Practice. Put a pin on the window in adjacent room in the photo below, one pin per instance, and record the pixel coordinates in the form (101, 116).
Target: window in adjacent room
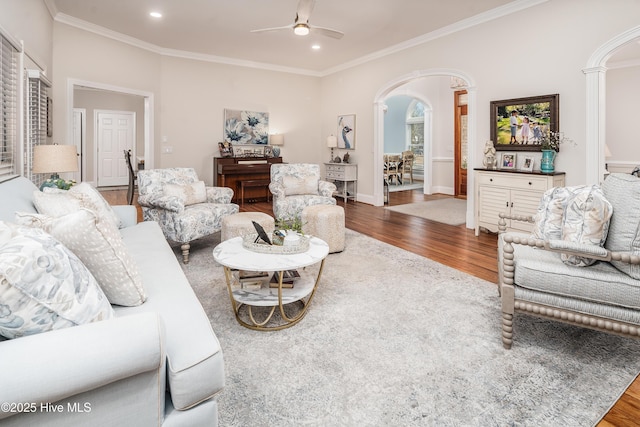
(415, 133)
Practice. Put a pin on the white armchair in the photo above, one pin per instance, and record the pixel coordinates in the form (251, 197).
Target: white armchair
(183, 206)
(296, 186)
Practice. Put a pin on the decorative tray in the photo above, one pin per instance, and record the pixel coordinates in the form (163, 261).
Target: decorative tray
(302, 245)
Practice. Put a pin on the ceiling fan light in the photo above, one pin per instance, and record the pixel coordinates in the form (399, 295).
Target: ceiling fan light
(301, 29)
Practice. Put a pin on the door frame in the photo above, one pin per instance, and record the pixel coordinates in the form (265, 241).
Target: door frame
(96, 138)
(80, 142)
(378, 129)
(457, 140)
(149, 102)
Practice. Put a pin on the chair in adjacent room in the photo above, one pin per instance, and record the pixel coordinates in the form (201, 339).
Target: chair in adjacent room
(184, 207)
(296, 186)
(392, 168)
(132, 177)
(406, 167)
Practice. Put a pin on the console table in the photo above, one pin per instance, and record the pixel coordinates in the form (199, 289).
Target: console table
(345, 176)
(510, 192)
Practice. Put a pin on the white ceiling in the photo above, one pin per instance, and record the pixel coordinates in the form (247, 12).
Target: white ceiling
(221, 28)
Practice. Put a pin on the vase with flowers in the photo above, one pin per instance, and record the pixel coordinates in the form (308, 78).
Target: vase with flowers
(550, 145)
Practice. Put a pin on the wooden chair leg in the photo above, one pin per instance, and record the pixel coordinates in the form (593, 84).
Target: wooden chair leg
(185, 252)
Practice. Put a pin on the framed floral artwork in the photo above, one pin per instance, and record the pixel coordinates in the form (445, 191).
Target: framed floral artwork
(246, 127)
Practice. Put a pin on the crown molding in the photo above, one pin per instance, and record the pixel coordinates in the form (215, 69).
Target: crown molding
(481, 18)
(490, 15)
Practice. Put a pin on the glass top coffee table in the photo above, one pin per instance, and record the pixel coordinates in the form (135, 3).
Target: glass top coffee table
(291, 302)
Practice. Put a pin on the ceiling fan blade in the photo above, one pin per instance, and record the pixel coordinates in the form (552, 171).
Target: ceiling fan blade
(327, 32)
(265, 30)
(305, 7)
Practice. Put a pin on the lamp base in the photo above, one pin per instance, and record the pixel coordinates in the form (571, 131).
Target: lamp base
(276, 151)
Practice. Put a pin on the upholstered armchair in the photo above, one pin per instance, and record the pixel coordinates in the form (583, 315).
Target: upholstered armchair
(296, 186)
(183, 206)
(581, 264)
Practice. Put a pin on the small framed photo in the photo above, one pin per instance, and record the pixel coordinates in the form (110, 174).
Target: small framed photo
(527, 164)
(507, 161)
(268, 151)
(226, 149)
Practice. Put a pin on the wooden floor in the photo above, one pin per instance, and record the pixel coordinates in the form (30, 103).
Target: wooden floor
(455, 246)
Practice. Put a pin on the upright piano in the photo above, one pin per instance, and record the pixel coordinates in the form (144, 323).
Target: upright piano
(231, 171)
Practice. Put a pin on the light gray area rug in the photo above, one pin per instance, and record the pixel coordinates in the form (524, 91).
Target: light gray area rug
(448, 211)
(395, 339)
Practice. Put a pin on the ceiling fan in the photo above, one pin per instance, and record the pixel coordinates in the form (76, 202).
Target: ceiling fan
(301, 25)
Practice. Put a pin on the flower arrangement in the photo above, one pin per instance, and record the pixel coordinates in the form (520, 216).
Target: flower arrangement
(63, 184)
(553, 140)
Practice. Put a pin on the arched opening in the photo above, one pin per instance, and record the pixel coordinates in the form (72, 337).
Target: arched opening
(395, 87)
(595, 72)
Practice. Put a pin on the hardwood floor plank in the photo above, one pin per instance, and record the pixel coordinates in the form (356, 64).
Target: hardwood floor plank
(454, 246)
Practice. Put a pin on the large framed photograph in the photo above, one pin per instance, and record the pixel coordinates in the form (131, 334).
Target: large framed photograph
(520, 124)
(246, 127)
(347, 132)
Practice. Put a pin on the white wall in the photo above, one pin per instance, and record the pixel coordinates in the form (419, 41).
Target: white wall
(537, 51)
(622, 135)
(195, 95)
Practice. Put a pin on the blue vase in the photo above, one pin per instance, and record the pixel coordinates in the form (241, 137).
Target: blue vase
(546, 164)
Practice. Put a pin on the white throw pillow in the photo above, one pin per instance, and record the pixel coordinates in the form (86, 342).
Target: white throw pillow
(55, 203)
(98, 244)
(43, 285)
(294, 185)
(585, 221)
(91, 198)
(623, 191)
(550, 213)
(189, 194)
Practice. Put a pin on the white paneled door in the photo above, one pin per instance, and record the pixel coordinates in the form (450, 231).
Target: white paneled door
(116, 132)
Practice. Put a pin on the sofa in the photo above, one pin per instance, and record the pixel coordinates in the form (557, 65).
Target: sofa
(581, 263)
(155, 362)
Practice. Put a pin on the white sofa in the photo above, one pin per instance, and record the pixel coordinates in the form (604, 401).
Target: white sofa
(159, 363)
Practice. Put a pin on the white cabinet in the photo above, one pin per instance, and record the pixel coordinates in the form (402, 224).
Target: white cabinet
(345, 177)
(514, 193)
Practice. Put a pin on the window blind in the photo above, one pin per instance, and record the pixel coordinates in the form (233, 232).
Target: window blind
(37, 89)
(8, 107)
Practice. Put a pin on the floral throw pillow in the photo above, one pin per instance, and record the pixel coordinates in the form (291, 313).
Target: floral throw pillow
(98, 244)
(43, 285)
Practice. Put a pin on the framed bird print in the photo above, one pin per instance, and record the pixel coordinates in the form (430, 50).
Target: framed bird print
(347, 132)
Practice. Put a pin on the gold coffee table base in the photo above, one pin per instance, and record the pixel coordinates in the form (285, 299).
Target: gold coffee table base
(261, 325)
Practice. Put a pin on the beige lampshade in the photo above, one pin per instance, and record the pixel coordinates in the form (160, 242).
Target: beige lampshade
(332, 141)
(607, 152)
(276, 139)
(54, 159)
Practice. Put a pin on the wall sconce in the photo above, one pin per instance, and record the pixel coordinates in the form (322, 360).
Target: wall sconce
(276, 140)
(332, 142)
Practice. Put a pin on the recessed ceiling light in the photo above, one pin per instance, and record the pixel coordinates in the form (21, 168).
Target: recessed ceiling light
(315, 47)
(155, 14)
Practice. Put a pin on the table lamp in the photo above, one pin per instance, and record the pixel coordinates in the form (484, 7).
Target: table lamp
(54, 159)
(332, 142)
(276, 140)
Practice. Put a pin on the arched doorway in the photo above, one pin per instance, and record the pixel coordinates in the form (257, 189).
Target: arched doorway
(596, 106)
(378, 146)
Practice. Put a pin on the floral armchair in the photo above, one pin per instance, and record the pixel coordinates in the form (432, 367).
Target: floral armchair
(183, 206)
(296, 186)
